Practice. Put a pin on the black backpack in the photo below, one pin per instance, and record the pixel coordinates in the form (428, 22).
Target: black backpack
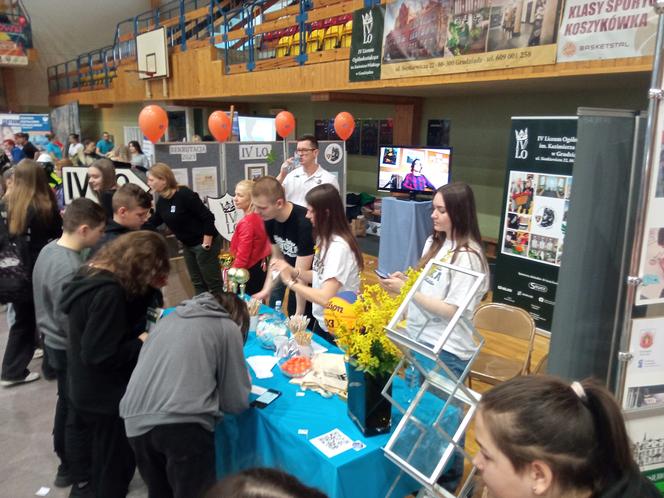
(15, 279)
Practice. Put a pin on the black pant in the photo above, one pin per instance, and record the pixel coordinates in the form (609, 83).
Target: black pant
(71, 437)
(256, 278)
(21, 342)
(176, 460)
(113, 462)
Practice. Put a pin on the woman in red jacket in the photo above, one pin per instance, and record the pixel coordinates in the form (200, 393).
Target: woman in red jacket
(250, 244)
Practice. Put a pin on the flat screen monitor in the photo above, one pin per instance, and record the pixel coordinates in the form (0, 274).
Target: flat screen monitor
(411, 169)
(253, 129)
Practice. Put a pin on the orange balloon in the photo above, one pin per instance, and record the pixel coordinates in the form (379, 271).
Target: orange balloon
(153, 122)
(344, 124)
(220, 125)
(285, 122)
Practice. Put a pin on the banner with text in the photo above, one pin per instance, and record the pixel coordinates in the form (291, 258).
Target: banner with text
(447, 36)
(607, 29)
(534, 220)
(15, 39)
(651, 267)
(366, 44)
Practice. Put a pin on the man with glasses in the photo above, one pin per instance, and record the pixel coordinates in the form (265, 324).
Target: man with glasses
(306, 176)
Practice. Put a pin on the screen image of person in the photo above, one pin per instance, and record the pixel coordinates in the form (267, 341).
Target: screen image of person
(415, 180)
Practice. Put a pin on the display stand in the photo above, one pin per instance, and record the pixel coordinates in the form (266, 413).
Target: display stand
(405, 226)
(421, 445)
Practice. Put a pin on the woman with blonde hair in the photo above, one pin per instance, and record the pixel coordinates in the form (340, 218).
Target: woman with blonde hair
(32, 217)
(250, 244)
(103, 183)
(106, 308)
(192, 223)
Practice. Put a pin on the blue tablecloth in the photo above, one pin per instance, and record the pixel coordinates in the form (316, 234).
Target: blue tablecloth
(405, 226)
(269, 437)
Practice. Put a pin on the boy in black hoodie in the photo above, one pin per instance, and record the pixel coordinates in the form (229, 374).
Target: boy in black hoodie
(104, 345)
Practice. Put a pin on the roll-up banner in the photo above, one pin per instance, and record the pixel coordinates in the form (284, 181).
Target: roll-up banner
(538, 184)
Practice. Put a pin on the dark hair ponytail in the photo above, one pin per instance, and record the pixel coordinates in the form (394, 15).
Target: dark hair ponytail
(577, 430)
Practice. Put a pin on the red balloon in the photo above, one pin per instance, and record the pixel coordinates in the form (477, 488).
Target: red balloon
(344, 124)
(220, 125)
(285, 122)
(153, 122)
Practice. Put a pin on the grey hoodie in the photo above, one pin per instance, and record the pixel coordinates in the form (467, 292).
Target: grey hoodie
(190, 370)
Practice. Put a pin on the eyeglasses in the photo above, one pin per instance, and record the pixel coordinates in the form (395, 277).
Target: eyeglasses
(302, 151)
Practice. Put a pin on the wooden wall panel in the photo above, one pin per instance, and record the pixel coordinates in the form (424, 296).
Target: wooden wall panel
(197, 74)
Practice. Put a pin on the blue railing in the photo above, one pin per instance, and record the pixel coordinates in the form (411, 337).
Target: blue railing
(99, 67)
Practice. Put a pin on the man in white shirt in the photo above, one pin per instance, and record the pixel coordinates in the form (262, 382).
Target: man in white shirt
(308, 175)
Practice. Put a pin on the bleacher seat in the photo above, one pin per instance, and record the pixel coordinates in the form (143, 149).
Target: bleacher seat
(347, 34)
(332, 37)
(315, 40)
(295, 44)
(283, 46)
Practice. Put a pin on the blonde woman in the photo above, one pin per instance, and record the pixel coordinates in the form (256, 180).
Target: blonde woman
(192, 223)
(102, 182)
(250, 244)
(31, 209)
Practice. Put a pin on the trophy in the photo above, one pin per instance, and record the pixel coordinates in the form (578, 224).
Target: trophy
(225, 262)
(238, 277)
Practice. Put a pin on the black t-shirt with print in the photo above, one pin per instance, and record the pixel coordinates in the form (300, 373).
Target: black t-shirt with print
(294, 236)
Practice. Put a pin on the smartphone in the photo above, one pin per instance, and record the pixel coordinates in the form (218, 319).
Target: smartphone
(381, 274)
(266, 398)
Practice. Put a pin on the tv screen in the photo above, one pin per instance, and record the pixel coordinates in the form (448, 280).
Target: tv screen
(413, 169)
(254, 129)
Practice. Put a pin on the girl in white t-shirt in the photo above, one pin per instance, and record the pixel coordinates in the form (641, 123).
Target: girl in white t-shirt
(337, 260)
(455, 240)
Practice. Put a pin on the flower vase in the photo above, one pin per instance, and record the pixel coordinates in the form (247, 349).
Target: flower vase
(367, 407)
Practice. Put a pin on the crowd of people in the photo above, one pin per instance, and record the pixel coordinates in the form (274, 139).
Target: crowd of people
(139, 387)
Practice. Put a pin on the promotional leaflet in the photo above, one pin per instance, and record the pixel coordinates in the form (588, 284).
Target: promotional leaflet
(534, 217)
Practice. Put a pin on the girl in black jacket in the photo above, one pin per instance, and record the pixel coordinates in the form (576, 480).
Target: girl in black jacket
(105, 303)
(32, 217)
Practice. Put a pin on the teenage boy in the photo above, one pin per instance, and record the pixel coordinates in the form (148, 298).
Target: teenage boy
(291, 236)
(308, 175)
(131, 209)
(83, 224)
(190, 371)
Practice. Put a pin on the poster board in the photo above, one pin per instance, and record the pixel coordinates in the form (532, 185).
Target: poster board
(534, 218)
(197, 165)
(250, 160)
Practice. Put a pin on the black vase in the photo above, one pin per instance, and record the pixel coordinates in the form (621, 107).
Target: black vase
(371, 412)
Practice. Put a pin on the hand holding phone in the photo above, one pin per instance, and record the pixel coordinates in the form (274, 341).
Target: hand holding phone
(381, 274)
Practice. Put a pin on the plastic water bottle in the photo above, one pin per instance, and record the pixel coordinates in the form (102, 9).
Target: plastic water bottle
(412, 379)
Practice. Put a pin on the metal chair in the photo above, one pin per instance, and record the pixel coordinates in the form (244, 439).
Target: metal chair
(512, 358)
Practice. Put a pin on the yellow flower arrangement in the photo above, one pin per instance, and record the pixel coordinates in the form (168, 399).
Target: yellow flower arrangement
(366, 342)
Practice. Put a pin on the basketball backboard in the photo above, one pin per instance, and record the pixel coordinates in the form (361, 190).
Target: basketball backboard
(152, 54)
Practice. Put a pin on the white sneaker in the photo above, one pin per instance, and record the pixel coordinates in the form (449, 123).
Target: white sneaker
(39, 353)
(31, 377)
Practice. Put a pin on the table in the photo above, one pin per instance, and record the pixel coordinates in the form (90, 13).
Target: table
(269, 437)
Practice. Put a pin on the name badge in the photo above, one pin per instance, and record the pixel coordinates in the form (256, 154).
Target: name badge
(172, 209)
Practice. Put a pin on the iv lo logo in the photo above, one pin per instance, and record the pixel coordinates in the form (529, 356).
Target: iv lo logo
(521, 144)
(367, 24)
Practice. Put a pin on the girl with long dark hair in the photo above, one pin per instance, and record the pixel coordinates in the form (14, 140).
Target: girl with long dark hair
(541, 436)
(107, 304)
(337, 260)
(137, 159)
(32, 216)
